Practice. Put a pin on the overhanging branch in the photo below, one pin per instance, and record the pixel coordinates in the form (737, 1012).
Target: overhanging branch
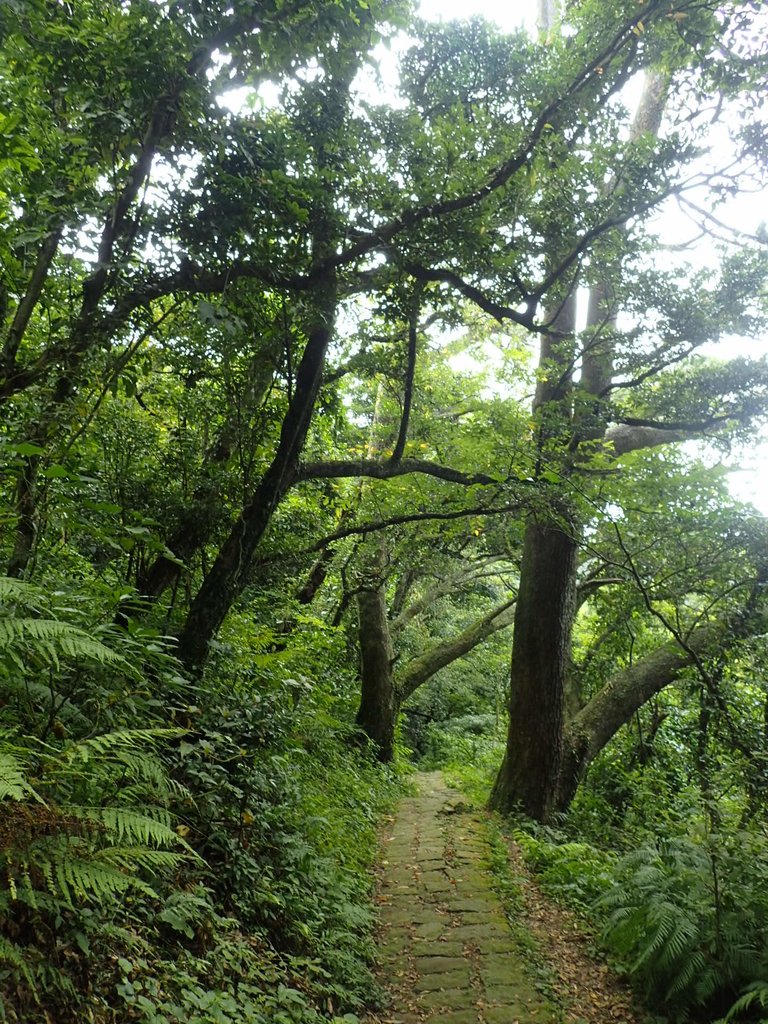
(362, 529)
(386, 470)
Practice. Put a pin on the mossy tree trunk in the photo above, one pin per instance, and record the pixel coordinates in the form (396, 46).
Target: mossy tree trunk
(379, 704)
(541, 646)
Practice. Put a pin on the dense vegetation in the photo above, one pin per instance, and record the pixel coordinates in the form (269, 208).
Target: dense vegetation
(322, 390)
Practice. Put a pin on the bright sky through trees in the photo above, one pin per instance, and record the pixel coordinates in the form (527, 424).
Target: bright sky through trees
(677, 225)
(506, 15)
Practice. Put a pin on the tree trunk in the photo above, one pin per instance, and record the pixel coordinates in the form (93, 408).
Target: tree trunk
(540, 662)
(317, 576)
(228, 574)
(531, 774)
(203, 508)
(404, 584)
(27, 512)
(377, 715)
(546, 605)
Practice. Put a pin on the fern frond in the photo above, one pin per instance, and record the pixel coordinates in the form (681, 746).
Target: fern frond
(143, 767)
(12, 954)
(129, 858)
(132, 826)
(82, 879)
(693, 968)
(113, 743)
(661, 921)
(13, 780)
(51, 639)
(18, 591)
(142, 772)
(755, 994)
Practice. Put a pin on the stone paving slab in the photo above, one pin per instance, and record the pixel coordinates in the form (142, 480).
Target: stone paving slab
(446, 951)
(444, 981)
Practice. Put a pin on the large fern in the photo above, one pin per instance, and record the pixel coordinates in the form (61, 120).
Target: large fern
(86, 818)
(42, 637)
(49, 640)
(13, 590)
(13, 774)
(74, 851)
(117, 743)
(755, 994)
(84, 815)
(687, 940)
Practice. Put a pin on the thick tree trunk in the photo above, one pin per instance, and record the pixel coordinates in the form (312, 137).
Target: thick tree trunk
(377, 715)
(532, 771)
(546, 606)
(528, 775)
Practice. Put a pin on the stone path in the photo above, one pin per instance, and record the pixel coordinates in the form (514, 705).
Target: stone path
(446, 951)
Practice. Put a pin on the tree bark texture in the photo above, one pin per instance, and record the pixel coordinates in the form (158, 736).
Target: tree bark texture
(544, 615)
(377, 714)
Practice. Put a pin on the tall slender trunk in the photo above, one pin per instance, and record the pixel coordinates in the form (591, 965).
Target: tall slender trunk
(379, 706)
(229, 573)
(316, 578)
(540, 771)
(546, 603)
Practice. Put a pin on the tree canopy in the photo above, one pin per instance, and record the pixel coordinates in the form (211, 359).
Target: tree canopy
(319, 386)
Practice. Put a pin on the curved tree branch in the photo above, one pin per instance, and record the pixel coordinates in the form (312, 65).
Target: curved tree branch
(420, 669)
(386, 470)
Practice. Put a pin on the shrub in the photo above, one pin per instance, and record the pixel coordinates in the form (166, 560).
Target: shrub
(575, 873)
(689, 918)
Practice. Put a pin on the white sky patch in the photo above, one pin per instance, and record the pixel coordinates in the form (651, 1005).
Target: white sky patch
(508, 16)
(748, 480)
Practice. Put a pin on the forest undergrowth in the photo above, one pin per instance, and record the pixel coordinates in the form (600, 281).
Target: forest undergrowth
(676, 907)
(310, 465)
(210, 866)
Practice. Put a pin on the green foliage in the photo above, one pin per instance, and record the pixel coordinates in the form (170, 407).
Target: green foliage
(13, 774)
(40, 641)
(194, 197)
(755, 994)
(58, 854)
(575, 873)
(238, 847)
(688, 918)
(285, 818)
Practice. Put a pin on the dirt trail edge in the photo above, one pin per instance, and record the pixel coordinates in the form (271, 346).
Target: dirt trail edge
(446, 950)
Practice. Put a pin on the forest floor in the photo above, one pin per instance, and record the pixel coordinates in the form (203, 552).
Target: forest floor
(452, 951)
